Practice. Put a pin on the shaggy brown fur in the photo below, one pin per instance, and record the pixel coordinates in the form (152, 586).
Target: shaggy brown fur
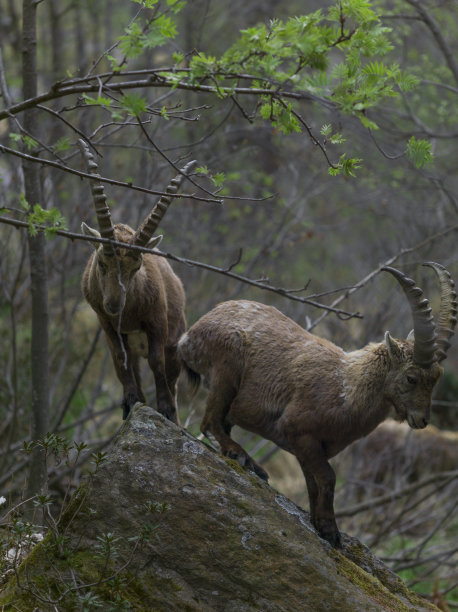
(268, 375)
(150, 298)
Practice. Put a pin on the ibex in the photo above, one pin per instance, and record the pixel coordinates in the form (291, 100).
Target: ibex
(269, 376)
(138, 299)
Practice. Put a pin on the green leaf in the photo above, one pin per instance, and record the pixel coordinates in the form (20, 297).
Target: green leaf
(113, 63)
(176, 6)
(283, 118)
(202, 65)
(147, 3)
(132, 43)
(266, 110)
(133, 103)
(23, 202)
(345, 166)
(99, 101)
(337, 139)
(218, 179)
(162, 30)
(177, 57)
(419, 151)
(407, 82)
(38, 217)
(368, 123)
(63, 144)
(29, 143)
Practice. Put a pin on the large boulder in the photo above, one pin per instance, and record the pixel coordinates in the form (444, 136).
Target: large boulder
(217, 538)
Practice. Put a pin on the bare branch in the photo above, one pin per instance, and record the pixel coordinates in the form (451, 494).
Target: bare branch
(437, 479)
(387, 262)
(81, 174)
(63, 89)
(436, 32)
(343, 314)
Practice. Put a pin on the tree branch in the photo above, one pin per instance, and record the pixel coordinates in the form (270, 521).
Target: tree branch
(387, 262)
(389, 497)
(58, 90)
(437, 34)
(102, 179)
(343, 314)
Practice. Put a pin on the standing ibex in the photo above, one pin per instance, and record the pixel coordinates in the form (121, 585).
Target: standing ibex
(270, 376)
(137, 297)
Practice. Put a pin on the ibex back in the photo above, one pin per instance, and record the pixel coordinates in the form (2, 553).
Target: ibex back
(268, 375)
(138, 299)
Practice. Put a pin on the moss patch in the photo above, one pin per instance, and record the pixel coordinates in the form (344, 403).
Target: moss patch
(235, 465)
(358, 553)
(46, 582)
(223, 535)
(407, 601)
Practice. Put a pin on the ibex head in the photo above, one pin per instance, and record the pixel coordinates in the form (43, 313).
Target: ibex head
(115, 266)
(415, 362)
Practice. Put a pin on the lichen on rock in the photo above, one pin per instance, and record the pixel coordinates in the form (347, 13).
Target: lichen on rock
(219, 541)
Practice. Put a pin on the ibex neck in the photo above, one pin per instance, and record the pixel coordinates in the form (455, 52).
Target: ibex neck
(366, 374)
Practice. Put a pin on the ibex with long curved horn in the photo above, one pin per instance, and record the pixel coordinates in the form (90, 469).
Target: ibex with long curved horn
(138, 299)
(270, 376)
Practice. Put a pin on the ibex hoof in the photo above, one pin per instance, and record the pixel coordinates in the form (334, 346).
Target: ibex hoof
(257, 469)
(169, 412)
(247, 462)
(330, 535)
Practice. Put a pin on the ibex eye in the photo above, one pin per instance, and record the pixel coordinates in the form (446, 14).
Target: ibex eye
(101, 265)
(411, 380)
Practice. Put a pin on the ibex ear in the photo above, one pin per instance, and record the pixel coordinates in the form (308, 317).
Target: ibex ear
(89, 231)
(394, 350)
(411, 336)
(153, 242)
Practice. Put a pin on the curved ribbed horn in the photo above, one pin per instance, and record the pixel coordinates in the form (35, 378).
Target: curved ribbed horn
(149, 225)
(424, 350)
(447, 312)
(100, 199)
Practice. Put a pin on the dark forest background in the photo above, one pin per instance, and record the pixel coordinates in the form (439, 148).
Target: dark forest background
(266, 207)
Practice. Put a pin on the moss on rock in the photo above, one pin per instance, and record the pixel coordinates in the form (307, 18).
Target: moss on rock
(228, 542)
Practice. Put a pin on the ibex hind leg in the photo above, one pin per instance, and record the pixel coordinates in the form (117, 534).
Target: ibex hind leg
(172, 369)
(166, 402)
(321, 479)
(215, 424)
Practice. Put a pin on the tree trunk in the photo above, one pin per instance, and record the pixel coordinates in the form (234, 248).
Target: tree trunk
(38, 272)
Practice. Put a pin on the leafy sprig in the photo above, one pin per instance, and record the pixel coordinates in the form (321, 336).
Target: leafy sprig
(38, 218)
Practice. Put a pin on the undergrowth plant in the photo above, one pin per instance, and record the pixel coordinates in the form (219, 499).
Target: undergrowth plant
(37, 531)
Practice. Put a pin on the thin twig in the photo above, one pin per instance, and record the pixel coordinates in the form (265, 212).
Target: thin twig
(389, 497)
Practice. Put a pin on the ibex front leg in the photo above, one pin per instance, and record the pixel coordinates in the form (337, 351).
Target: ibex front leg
(321, 480)
(166, 402)
(126, 365)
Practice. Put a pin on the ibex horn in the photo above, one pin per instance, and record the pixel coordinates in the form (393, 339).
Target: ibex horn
(424, 350)
(447, 312)
(150, 224)
(100, 199)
